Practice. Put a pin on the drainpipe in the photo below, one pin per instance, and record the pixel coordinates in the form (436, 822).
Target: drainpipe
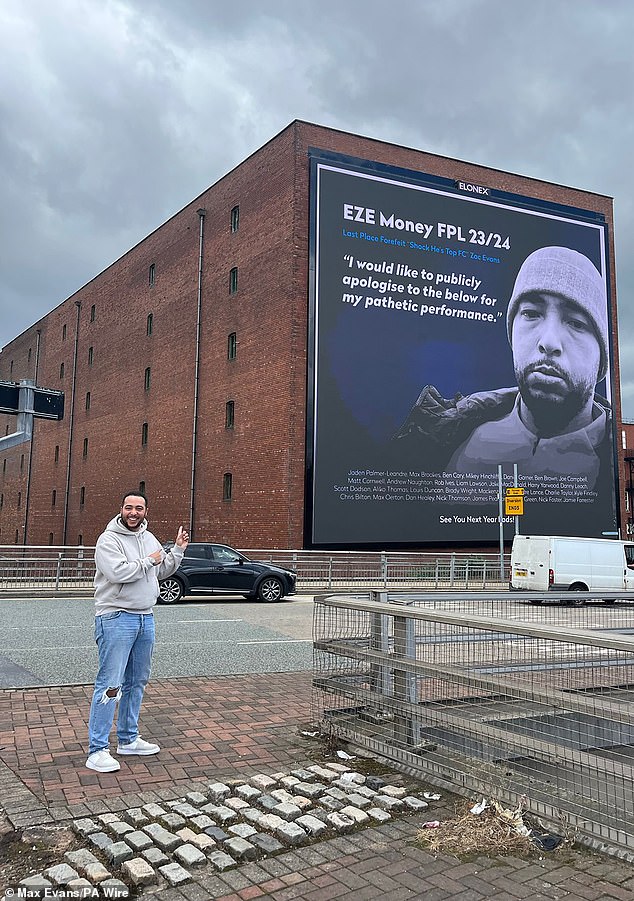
(71, 417)
(199, 298)
(28, 478)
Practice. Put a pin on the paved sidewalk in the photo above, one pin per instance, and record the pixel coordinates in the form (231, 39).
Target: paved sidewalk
(230, 727)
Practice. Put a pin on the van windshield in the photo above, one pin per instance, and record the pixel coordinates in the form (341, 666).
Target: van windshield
(629, 555)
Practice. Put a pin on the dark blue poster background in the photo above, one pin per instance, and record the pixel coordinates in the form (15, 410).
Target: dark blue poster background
(410, 288)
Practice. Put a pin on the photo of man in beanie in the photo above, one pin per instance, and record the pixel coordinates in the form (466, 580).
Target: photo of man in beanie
(552, 423)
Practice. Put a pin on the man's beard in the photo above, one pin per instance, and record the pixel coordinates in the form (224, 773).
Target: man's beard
(553, 410)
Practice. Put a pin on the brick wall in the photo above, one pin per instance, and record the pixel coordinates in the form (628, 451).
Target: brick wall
(265, 450)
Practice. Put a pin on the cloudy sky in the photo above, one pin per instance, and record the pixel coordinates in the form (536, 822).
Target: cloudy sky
(116, 113)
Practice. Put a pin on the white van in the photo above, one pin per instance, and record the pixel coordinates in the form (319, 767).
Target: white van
(552, 563)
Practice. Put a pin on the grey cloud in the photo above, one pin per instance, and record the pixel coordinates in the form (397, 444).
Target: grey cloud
(114, 115)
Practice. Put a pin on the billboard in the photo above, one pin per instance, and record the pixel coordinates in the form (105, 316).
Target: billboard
(454, 328)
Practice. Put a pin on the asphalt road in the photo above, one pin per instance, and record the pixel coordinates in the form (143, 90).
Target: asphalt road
(49, 641)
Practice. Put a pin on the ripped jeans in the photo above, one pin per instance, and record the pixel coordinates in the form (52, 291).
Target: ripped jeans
(125, 642)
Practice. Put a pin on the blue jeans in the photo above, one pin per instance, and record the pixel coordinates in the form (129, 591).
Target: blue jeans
(125, 642)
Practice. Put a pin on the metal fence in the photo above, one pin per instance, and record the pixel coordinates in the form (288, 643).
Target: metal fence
(526, 705)
(64, 568)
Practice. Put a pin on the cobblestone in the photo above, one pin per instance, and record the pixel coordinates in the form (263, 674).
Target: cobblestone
(240, 848)
(202, 821)
(173, 821)
(220, 813)
(88, 865)
(100, 840)
(218, 791)
(136, 817)
(362, 851)
(118, 828)
(167, 841)
(155, 856)
(291, 834)
(140, 872)
(61, 874)
(190, 856)
(175, 874)
(118, 852)
(242, 830)
(221, 860)
(185, 809)
(138, 840)
(262, 781)
(359, 816)
(85, 827)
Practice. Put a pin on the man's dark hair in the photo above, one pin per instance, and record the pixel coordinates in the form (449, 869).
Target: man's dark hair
(134, 493)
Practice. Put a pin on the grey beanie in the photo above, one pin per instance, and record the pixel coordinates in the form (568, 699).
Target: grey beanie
(568, 274)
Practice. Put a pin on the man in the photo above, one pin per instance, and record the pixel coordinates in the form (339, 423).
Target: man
(129, 562)
(552, 423)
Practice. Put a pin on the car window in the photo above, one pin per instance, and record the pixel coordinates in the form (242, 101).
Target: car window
(197, 550)
(224, 554)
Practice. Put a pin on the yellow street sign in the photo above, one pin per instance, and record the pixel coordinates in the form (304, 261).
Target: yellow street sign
(515, 492)
(513, 506)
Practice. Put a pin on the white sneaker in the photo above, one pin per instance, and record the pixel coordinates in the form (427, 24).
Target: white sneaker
(102, 762)
(138, 746)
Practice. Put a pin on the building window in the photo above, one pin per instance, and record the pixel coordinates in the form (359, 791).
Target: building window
(148, 378)
(80, 539)
(142, 486)
(50, 538)
(21, 462)
(61, 370)
(82, 495)
(88, 400)
(232, 346)
(53, 498)
(235, 219)
(17, 535)
(29, 356)
(152, 274)
(85, 452)
(92, 313)
(1, 501)
(11, 367)
(19, 499)
(233, 280)
(150, 323)
(57, 453)
(64, 332)
(229, 414)
(144, 434)
(227, 486)
(90, 356)
(4, 466)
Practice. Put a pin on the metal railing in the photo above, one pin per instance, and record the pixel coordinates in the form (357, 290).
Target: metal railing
(66, 568)
(530, 706)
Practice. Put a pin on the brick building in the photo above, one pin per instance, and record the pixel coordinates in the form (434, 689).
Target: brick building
(184, 363)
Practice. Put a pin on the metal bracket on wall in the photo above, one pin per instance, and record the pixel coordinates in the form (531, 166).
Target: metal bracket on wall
(27, 401)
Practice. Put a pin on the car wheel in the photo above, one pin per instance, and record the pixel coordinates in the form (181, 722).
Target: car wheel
(270, 590)
(577, 601)
(170, 591)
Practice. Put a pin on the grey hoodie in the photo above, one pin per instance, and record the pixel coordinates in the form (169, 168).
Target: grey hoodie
(125, 577)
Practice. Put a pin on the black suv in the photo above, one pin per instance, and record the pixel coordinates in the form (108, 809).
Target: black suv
(218, 569)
